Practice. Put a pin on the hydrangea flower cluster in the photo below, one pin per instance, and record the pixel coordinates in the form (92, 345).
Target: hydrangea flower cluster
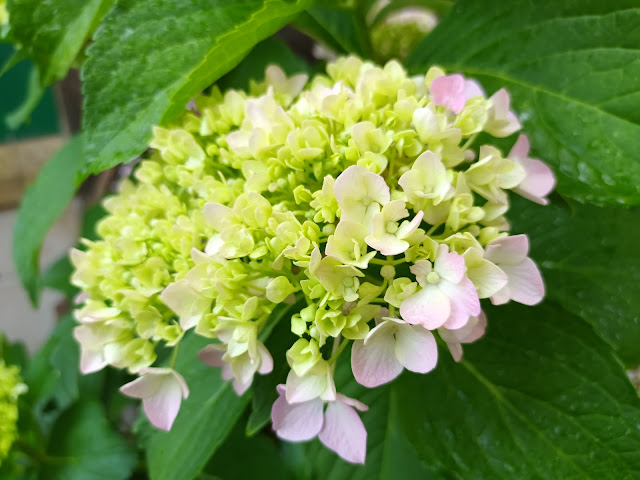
(11, 387)
(359, 199)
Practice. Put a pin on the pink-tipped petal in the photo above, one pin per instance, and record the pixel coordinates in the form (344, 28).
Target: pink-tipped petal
(429, 307)
(266, 360)
(416, 348)
(212, 355)
(374, 363)
(162, 408)
(352, 401)
(449, 91)
(239, 387)
(449, 265)
(464, 302)
(520, 150)
(344, 433)
(538, 183)
(507, 250)
(143, 386)
(91, 361)
(472, 89)
(525, 282)
(297, 422)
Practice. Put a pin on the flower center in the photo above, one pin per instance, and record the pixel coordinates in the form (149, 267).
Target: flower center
(433, 278)
(391, 227)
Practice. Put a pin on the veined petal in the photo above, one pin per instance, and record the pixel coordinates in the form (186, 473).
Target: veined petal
(449, 265)
(464, 302)
(429, 307)
(416, 348)
(507, 250)
(525, 282)
(297, 422)
(374, 362)
(344, 433)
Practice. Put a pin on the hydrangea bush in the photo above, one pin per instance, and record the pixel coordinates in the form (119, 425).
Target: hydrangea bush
(287, 279)
(362, 195)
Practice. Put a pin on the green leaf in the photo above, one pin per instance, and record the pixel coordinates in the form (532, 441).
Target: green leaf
(54, 379)
(87, 447)
(265, 462)
(590, 262)
(270, 51)
(160, 54)
(41, 206)
(540, 396)
(53, 33)
(204, 421)
(57, 276)
(572, 70)
(22, 113)
(341, 30)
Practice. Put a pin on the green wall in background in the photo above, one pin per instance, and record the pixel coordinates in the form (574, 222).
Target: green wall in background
(13, 86)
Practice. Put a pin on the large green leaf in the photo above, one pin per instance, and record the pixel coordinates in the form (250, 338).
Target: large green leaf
(572, 69)
(590, 261)
(539, 397)
(41, 206)
(341, 29)
(150, 57)
(53, 33)
(84, 446)
(204, 421)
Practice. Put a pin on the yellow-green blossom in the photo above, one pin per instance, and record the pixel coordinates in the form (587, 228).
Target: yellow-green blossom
(11, 387)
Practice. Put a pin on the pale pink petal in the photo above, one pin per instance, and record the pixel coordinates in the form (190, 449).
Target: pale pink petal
(91, 361)
(520, 150)
(449, 91)
(538, 183)
(344, 433)
(429, 307)
(525, 282)
(449, 265)
(386, 245)
(374, 362)
(240, 387)
(297, 422)
(143, 386)
(162, 408)
(416, 348)
(352, 401)
(472, 89)
(162, 391)
(472, 331)
(507, 250)
(212, 355)
(464, 302)
(266, 360)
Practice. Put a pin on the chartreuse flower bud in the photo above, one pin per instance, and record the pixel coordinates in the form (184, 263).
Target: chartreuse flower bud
(358, 198)
(11, 387)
